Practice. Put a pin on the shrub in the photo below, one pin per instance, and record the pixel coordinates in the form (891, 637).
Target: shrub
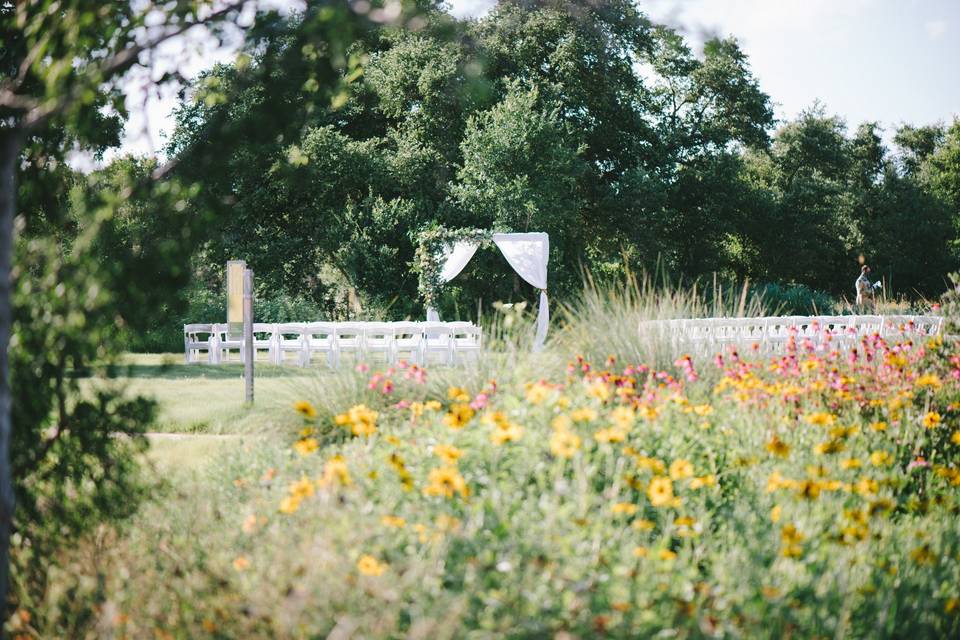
(796, 300)
(205, 304)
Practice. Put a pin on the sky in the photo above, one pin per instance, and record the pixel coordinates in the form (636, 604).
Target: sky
(886, 61)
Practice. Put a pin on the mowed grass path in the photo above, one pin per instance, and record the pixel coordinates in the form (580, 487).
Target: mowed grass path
(205, 399)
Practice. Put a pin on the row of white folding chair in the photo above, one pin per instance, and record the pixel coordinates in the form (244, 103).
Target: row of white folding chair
(418, 341)
(772, 333)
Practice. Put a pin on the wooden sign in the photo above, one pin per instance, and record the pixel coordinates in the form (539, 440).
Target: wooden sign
(235, 270)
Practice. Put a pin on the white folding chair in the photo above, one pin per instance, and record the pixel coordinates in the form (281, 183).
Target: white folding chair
(838, 331)
(868, 325)
(264, 339)
(291, 339)
(197, 338)
(928, 325)
(777, 333)
(407, 340)
(378, 338)
(318, 338)
(227, 343)
(896, 326)
(347, 338)
(437, 340)
(467, 341)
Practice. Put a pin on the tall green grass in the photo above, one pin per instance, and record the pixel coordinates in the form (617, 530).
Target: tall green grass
(606, 320)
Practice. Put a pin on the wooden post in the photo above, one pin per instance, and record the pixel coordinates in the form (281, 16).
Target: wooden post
(248, 334)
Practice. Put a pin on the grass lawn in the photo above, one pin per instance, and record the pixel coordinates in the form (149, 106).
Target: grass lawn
(208, 399)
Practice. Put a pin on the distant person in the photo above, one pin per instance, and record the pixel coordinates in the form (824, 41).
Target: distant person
(864, 290)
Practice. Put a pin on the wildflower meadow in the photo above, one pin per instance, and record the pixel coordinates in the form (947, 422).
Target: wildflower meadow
(808, 494)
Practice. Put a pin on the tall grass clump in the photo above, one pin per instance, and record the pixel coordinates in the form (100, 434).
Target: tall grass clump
(617, 317)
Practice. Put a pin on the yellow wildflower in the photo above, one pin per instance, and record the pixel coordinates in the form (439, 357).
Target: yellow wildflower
(446, 481)
(622, 417)
(931, 380)
(361, 419)
(509, 432)
(335, 472)
(306, 446)
(538, 392)
(821, 419)
(458, 416)
(881, 458)
(561, 422)
(642, 525)
(955, 438)
(775, 513)
(648, 412)
(393, 521)
(626, 508)
(641, 552)
(599, 389)
(564, 443)
(306, 409)
(651, 464)
(702, 410)
(680, 469)
(932, 419)
(666, 555)
(290, 504)
(448, 453)
(432, 405)
(608, 435)
(302, 488)
(923, 555)
(585, 414)
(878, 426)
(458, 394)
(867, 487)
(708, 480)
(828, 447)
(851, 463)
(778, 447)
(791, 541)
(660, 491)
(370, 566)
(495, 419)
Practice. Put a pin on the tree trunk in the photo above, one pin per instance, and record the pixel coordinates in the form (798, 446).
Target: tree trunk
(9, 152)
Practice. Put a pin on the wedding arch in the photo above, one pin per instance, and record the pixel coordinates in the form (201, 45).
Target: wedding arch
(443, 254)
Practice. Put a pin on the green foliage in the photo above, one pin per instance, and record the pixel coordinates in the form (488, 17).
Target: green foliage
(164, 333)
(433, 243)
(99, 257)
(795, 300)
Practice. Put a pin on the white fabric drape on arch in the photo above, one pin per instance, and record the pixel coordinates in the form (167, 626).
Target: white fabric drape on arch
(527, 253)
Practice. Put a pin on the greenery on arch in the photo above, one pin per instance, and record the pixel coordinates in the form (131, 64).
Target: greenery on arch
(430, 255)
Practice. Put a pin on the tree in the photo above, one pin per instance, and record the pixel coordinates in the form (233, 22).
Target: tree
(64, 64)
(54, 91)
(521, 172)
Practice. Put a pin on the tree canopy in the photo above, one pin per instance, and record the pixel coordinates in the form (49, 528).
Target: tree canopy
(581, 119)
